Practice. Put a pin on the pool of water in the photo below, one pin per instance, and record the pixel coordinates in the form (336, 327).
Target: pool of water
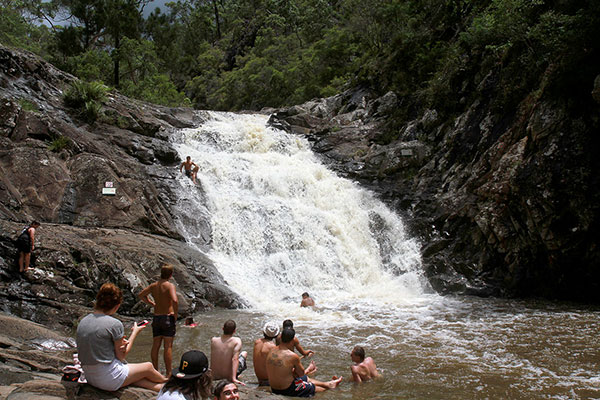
(431, 347)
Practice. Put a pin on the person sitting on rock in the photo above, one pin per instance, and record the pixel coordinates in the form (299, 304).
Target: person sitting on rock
(226, 356)
(102, 347)
(191, 381)
(189, 171)
(262, 347)
(287, 375)
(226, 390)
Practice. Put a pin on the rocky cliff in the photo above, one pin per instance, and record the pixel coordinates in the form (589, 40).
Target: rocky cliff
(504, 202)
(88, 238)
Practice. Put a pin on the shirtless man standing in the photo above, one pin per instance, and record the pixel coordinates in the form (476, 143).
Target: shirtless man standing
(262, 347)
(286, 374)
(226, 361)
(165, 303)
(364, 369)
(307, 301)
(189, 171)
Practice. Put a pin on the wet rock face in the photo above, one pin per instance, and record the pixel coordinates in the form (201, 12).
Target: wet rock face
(71, 263)
(502, 204)
(53, 168)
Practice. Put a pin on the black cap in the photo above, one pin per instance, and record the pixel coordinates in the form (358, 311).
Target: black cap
(193, 364)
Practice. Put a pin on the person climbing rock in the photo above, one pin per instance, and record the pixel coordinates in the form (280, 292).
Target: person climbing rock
(191, 169)
(25, 244)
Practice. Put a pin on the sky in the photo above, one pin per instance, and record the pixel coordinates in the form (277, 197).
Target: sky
(156, 3)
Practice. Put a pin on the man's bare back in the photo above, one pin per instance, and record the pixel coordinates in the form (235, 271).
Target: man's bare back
(281, 365)
(225, 355)
(287, 375)
(262, 347)
(364, 368)
(165, 297)
(162, 296)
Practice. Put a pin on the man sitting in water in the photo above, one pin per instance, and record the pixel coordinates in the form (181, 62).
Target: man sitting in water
(289, 324)
(364, 369)
(189, 171)
(286, 374)
(262, 347)
(307, 301)
(226, 360)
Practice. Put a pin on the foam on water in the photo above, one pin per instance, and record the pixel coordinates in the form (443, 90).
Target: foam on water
(282, 223)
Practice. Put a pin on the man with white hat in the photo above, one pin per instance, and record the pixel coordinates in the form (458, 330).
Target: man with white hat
(262, 347)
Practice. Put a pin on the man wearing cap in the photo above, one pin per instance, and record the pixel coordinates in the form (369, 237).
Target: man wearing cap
(191, 380)
(226, 357)
(286, 374)
(262, 347)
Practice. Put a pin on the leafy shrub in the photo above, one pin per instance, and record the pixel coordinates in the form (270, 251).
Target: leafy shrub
(87, 98)
(27, 105)
(59, 143)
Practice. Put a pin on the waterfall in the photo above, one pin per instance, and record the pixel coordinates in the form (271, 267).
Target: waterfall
(283, 224)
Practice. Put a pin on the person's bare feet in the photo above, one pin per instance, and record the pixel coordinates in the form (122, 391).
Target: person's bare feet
(334, 382)
(311, 369)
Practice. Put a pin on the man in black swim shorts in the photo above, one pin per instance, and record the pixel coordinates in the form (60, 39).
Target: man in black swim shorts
(165, 303)
(189, 171)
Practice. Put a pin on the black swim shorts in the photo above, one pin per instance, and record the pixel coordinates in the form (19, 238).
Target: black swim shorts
(188, 173)
(24, 246)
(163, 325)
(300, 387)
(241, 365)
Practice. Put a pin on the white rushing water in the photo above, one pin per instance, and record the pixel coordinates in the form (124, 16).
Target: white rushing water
(282, 223)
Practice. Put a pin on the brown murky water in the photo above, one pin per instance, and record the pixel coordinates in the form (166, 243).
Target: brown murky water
(434, 348)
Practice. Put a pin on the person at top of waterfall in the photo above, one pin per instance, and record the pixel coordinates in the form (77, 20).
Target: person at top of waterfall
(227, 359)
(364, 369)
(289, 324)
(287, 375)
(25, 243)
(262, 347)
(307, 301)
(165, 303)
(191, 169)
(102, 347)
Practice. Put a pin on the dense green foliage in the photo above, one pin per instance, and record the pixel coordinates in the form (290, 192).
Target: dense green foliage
(249, 54)
(86, 98)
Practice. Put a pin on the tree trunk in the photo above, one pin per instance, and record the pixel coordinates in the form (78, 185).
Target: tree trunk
(217, 19)
(116, 59)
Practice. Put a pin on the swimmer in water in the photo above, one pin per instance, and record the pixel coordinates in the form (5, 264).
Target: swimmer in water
(307, 301)
(364, 369)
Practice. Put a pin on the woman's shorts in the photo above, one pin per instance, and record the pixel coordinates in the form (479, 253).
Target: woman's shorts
(108, 377)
